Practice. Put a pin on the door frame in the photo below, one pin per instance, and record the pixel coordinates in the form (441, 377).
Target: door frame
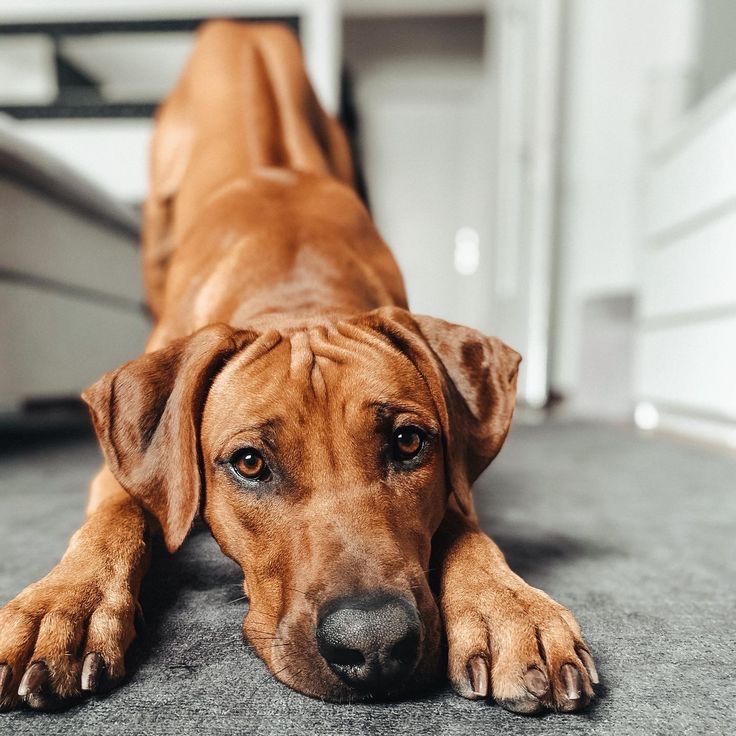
(525, 43)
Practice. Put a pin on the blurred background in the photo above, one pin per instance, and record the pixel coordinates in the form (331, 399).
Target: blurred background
(561, 173)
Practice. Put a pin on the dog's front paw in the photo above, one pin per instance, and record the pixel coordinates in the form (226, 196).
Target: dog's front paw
(519, 646)
(62, 637)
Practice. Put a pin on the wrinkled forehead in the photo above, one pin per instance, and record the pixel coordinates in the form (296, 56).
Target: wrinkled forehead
(317, 369)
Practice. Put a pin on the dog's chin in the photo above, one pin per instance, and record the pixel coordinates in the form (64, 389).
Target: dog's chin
(322, 684)
(328, 688)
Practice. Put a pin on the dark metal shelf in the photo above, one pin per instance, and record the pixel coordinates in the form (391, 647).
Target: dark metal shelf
(90, 28)
(60, 111)
(79, 97)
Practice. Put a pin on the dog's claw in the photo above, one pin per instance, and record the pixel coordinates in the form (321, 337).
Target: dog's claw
(478, 671)
(587, 660)
(6, 676)
(92, 671)
(34, 680)
(536, 682)
(571, 681)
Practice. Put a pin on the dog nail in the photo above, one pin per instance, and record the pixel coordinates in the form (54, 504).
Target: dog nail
(478, 671)
(571, 680)
(37, 701)
(536, 682)
(589, 665)
(92, 670)
(6, 675)
(34, 679)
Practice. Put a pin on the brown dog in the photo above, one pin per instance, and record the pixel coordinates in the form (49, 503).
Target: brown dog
(328, 436)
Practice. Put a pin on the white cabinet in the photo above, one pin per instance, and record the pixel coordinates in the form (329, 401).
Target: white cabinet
(686, 356)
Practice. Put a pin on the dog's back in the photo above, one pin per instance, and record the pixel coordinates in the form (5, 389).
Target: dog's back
(243, 103)
(252, 213)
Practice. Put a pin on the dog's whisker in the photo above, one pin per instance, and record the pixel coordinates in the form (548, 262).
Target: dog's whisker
(293, 678)
(278, 672)
(261, 683)
(265, 679)
(262, 613)
(257, 649)
(271, 634)
(296, 590)
(263, 635)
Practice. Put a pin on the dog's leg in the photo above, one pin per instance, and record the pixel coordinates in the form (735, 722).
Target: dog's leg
(506, 639)
(68, 633)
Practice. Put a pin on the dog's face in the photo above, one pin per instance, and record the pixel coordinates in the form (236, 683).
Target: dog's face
(325, 482)
(326, 459)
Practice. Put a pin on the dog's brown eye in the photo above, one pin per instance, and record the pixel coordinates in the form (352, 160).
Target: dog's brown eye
(408, 443)
(249, 464)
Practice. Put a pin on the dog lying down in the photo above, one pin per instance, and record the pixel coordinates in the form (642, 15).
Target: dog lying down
(328, 437)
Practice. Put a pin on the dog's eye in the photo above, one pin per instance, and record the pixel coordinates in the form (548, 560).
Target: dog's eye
(407, 443)
(249, 464)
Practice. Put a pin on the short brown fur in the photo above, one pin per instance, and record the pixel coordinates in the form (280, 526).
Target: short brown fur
(282, 323)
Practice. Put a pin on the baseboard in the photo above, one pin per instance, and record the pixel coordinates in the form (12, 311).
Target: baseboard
(687, 422)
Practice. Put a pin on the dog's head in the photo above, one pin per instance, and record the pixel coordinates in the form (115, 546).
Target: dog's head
(323, 462)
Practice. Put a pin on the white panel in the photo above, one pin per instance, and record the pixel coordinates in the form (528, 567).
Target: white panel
(27, 70)
(54, 345)
(112, 153)
(44, 239)
(695, 176)
(697, 272)
(693, 366)
(131, 66)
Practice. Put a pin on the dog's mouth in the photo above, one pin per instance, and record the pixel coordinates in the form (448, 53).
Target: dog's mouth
(372, 646)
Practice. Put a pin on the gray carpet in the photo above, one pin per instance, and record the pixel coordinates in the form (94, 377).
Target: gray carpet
(635, 534)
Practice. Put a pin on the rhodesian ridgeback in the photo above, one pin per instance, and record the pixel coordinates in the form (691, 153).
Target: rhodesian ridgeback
(327, 436)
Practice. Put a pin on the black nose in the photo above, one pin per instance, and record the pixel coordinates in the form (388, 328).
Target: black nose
(370, 642)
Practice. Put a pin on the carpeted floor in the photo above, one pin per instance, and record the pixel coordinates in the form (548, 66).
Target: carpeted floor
(635, 534)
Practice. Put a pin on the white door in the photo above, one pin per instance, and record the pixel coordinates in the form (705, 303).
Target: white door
(527, 63)
(429, 188)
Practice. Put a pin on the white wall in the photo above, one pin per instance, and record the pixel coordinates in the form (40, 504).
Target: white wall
(70, 299)
(626, 69)
(686, 357)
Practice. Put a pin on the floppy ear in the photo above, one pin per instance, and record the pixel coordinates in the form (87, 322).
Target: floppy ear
(473, 381)
(147, 414)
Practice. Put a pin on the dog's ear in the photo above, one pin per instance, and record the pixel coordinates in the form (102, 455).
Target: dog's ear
(147, 414)
(473, 381)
